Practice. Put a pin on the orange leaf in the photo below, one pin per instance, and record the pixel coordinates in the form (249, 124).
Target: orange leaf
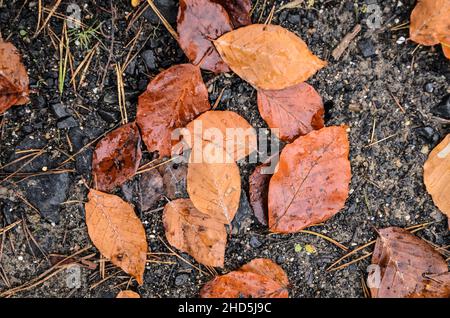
(295, 110)
(268, 56)
(173, 98)
(430, 22)
(127, 294)
(116, 157)
(13, 78)
(226, 130)
(312, 181)
(407, 265)
(199, 22)
(214, 186)
(436, 175)
(200, 235)
(117, 232)
(446, 50)
(238, 10)
(261, 278)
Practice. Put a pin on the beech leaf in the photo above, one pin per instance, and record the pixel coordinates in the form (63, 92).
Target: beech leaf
(200, 235)
(437, 176)
(259, 193)
(261, 278)
(173, 98)
(409, 267)
(13, 78)
(238, 10)
(127, 294)
(117, 232)
(295, 110)
(200, 22)
(268, 56)
(312, 181)
(116, 157)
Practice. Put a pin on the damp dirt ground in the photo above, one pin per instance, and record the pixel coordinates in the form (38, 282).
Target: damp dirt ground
(382, 87)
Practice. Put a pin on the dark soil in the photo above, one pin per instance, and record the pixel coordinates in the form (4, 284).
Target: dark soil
(387, 185)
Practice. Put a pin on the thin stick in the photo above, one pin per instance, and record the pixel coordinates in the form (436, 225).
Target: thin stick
(163, 20)
(55, 7)
(345, 42)
(329, 239)
(10, 227)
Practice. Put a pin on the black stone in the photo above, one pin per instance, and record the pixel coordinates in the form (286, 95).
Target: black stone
(149, 59)
(60, 111)
(68, 122)
(168, 8)
(244, 216)
(429, 87)
(367, 48)
(109, 117)
(254, 242)
(428, 134)
(181, 279)
(443, 108)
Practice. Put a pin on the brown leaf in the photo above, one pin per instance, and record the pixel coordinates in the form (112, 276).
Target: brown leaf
(200, 235)
(199, 22)
(225, 129)
(446, 50)
(174, 179)
(430, 22)
(436, 175)
(117, 232)
(407, 265)
(214, 187)
(295, 110)
(268, 56)
(259, 193)
(312, 181)
(173, 98)
(127, 294)
(116, 157)
(261, 278)
(238, 10)
(13, 78)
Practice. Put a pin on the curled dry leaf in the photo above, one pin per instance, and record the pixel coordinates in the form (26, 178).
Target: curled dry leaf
(226, 130)
(238, 10)
(117, 232)
(268, 56)
(430, 22)
(127, 294)
(13, 78)
(200, 235)
(200, 22)
(116, 157)
(259, 192)
(312, 181)
(261, 278)
(409, 267)
(294, 111)
(436, 176)
(173, 98)
(214, 187)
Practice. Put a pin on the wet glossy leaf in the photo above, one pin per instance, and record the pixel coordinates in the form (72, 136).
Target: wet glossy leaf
(294, 111)
(13, 78)
(116, 157)
(214, 186)
(261, 278)
(173, 98)
(446, 50)
(430, 22)
(312, 181)
(199, 22)
(117, 232)
(409, 267)
(127, 294)
(437, 176)
(259, 193)
(268, 56)
(225, 129)
(238, 10)
(200, 235)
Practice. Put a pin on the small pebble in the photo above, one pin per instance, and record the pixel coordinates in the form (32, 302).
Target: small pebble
(429, 88)
(401, 40)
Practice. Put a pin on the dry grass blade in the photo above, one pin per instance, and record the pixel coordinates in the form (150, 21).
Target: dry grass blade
(10, 227)
(121, 94)
(329, 239)
(163, 20)
(291, 5)
(52, 11)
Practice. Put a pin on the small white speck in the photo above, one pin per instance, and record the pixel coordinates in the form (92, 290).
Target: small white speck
(53, 224)
(20, 258)
(401, 40)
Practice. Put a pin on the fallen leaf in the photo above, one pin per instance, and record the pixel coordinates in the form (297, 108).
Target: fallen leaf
(446, 50)
(226, 130)
(238, 10)
(200, 235)
(430, 23)
(172, 99)
(117, 232)
(312, 181)
(116, 157)
(259, 193)
(293, 111)
(13, 78)
(214, 187)
(409, 267)
(200, 22)
(436, 176)
(261, 278)
(127, 294)
(174, 179)
(268, 56)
